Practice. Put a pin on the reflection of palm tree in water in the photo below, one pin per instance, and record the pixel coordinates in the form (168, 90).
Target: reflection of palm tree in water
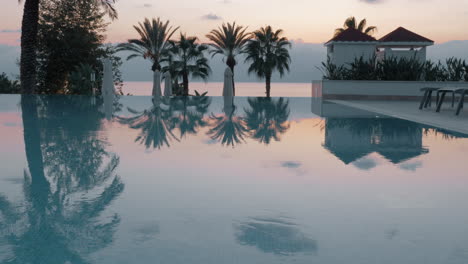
(267, 118)
(50, 227)
(228, 128)
(190, 113)
(156, 129)
(157, 125)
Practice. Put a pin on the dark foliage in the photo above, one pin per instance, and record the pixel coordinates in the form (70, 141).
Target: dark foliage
(394, 69)
(8, 86)
(70, 40)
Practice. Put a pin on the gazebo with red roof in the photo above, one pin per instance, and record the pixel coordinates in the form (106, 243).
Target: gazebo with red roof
(402, 43)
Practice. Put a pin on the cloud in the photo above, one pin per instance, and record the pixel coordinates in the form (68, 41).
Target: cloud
(274, 236)
(413, 166)
(11, 124)
(145, 5)
(291, 164)
(10, 31)
(372, 1)
(365, 164)
(211, 16)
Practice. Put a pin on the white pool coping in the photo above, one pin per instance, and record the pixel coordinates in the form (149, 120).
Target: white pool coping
(409, 110)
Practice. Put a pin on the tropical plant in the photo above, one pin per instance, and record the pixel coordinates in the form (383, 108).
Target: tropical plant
(267, 51)
(351, 22)
(29, 34)
(267, 119)
(8, 86)
(187, 59)
(455, 69)
(466, 71)
(79, 81)
(229, 41)
(331, 71)
(154, 41)
(361, 69)
(400, 69)
(434, 72)
(172, 68)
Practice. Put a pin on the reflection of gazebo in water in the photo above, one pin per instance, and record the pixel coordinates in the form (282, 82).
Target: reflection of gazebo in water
(352, 139)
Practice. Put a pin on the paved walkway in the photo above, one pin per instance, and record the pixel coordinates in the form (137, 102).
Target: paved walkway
(408, 110)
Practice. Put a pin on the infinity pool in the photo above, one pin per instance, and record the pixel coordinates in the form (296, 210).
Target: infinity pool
(211, 180)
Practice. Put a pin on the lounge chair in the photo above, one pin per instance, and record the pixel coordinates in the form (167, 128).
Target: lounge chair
(462, 92)
(427, 98)
(441, 95)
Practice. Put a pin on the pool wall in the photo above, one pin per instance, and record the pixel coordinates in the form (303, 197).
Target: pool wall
(375, 90)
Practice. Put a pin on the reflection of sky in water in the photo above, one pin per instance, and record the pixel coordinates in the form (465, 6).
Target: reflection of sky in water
(359, 189)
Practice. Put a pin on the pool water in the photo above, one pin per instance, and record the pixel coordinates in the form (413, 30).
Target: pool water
(222, 180)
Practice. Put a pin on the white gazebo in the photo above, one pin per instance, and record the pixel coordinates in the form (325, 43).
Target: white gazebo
(402, 43)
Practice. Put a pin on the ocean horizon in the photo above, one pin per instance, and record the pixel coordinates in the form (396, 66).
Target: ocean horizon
(216, 89)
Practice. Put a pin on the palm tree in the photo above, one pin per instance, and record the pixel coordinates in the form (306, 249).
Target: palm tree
(352, 23)
(267, 118)
(187, 57)
(154, 41)
(29, 29)
(268, 51)
(229, 40)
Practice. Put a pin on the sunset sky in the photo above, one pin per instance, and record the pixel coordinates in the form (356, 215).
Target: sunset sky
(302, 20)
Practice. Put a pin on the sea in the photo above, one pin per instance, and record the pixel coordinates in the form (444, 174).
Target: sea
(242, 89)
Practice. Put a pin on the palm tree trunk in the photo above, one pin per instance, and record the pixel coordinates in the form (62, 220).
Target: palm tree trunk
(268, 84)
(28, 46)
(32, 143)
(186, 83)
(233, 82)
(231, 63)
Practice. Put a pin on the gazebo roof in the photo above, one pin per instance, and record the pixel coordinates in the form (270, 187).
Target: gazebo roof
(352, 35)
(401, 34)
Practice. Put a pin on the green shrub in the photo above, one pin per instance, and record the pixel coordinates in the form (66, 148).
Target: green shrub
(403, 69)
(361, 69)
(465, 66)
(397, 69)
(8, 86)
(435, 72)
(455, 69)
(332, 72)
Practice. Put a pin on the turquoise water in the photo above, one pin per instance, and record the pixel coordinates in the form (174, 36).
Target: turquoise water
(214, 180)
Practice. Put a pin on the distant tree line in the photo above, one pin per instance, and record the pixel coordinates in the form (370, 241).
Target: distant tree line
(397, 69)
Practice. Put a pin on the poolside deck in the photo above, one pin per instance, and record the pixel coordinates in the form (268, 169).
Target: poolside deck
(408, 110)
